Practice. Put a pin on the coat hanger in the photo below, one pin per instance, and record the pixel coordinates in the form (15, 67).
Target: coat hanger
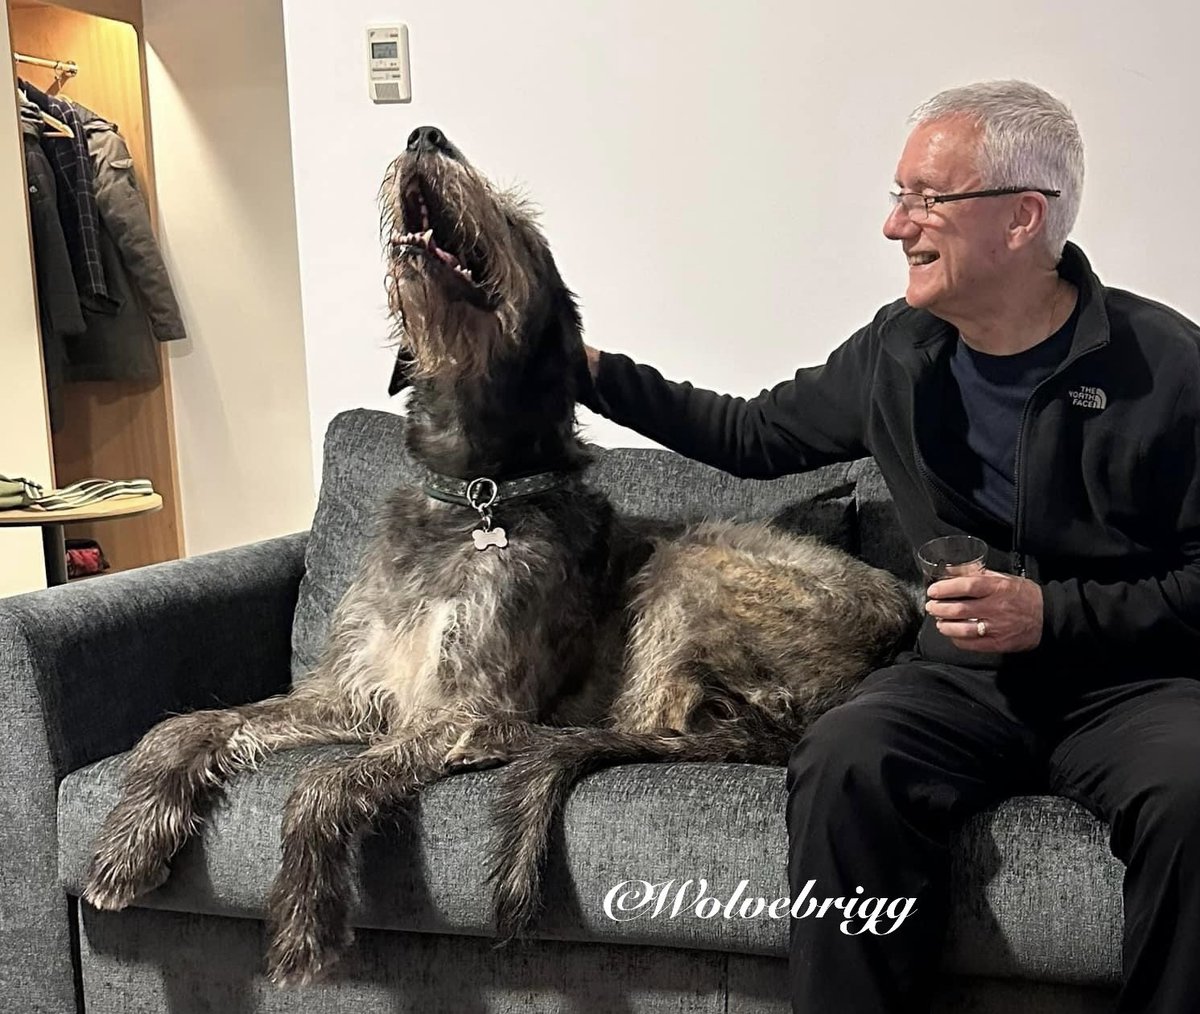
(57, 127)
(63, 69)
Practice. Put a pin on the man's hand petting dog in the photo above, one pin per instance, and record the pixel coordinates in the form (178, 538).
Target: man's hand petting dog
(988, 612)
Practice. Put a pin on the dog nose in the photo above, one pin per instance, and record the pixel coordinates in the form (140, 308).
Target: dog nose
(428, 139)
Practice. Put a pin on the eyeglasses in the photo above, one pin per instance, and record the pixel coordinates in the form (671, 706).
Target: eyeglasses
(918, 206)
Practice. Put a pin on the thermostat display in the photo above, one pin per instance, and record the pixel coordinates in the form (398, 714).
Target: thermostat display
(387, 64)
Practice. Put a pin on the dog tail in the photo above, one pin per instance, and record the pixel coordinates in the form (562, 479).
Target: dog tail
(536, 785)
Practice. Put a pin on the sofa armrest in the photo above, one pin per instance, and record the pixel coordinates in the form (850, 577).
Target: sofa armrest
(96, 664)
(85, 670)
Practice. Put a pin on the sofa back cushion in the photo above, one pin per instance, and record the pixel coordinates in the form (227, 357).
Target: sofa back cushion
(365, 459)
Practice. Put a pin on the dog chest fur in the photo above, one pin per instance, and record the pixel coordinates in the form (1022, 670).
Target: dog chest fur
(434, 624)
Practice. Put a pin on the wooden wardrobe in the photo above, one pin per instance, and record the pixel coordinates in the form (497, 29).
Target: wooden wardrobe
(111, 429)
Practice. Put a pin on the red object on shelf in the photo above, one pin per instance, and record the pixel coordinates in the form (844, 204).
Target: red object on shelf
(84, 557)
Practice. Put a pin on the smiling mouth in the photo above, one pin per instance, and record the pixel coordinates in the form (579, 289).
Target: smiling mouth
(434, 234)
(920, 260)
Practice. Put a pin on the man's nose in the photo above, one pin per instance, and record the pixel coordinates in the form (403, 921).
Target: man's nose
(428, 139)
(899, 224)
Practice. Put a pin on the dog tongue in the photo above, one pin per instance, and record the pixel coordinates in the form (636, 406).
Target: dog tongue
(444, 256)
(431, 245)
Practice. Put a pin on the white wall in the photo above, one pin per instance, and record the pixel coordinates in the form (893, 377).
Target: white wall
(222, 154)
(24, 432)
(713, 176)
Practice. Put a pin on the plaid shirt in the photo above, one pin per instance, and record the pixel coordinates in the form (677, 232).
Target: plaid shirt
(76, 198)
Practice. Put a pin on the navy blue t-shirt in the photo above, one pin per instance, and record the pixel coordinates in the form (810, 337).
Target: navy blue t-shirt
(982, 417)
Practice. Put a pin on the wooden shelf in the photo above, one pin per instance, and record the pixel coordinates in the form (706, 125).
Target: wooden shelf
(117, 507)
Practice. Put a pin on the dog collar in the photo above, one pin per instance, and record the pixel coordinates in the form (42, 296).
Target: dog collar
(482, 494)
(488, 492)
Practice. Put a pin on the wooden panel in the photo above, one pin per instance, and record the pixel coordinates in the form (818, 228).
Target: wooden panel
(25, 427)
(113, 430)
(119, 10)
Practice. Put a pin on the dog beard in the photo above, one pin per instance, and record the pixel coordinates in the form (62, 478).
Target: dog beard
(441, 337)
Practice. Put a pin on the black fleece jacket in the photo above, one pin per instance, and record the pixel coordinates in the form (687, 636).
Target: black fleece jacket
(1107, 515)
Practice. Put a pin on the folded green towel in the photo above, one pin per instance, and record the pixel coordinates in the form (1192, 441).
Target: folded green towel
(16, 493)
(88, 491)
(22, 493)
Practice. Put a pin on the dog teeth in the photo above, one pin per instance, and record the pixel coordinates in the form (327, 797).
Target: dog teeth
(425, 239)
(415, 238)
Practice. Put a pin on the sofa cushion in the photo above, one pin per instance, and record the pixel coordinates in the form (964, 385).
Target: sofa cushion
(365, 459)
(147, 962)
(155, 961)
(1037, 892)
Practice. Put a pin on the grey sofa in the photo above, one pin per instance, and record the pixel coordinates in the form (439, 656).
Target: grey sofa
(86, 669)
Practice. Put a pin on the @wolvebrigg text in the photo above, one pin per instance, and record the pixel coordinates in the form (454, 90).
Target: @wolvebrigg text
(640, 899)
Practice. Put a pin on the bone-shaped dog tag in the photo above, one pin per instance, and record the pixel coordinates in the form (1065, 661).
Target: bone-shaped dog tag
(495, 537)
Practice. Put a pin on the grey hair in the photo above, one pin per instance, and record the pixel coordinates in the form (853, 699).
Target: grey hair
(1030, 139)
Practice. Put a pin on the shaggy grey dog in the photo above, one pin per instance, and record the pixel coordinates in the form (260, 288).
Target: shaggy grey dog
(502, 607)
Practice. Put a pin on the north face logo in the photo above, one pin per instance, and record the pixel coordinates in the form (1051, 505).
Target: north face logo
(1089, 397)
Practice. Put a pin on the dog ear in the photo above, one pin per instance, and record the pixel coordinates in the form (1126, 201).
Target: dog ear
(570, 321)
(402, 371)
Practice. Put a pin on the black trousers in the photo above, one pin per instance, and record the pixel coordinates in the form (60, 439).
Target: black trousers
(878, 785)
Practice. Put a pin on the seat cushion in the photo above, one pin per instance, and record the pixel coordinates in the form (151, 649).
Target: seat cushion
(155, 961)
(1037, 892)
(365, 459)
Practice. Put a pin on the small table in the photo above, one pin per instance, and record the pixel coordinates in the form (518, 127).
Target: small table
(54, 540)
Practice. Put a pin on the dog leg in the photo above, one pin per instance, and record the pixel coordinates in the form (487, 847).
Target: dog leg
(661, 684)
(326, 814)
(178, 766)
(665, 700)
(535, 786)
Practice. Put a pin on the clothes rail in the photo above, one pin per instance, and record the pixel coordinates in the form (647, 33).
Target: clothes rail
(62, 68)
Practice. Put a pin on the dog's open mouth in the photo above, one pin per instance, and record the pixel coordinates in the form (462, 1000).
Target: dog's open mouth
(435, 233)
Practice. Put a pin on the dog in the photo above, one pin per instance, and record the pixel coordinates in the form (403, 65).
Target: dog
(502, 608)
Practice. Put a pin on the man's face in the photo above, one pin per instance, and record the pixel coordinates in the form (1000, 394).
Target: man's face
(966, 239)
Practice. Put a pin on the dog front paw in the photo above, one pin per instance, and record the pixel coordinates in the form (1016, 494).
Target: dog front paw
(113, 885)
(474, 757)
(480, 747)
(302, 951)
(515, 904)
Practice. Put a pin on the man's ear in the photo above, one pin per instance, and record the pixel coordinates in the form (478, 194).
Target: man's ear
(1028, 220)
(402, 371)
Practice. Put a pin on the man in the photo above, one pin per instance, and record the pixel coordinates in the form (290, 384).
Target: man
(1010, 396)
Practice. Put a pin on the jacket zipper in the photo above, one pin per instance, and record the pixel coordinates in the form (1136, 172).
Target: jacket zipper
(1018, 555)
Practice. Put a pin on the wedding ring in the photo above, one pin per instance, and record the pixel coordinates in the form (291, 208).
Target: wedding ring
(981, 628)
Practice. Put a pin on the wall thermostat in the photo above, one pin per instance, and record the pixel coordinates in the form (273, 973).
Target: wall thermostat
(387, 64)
